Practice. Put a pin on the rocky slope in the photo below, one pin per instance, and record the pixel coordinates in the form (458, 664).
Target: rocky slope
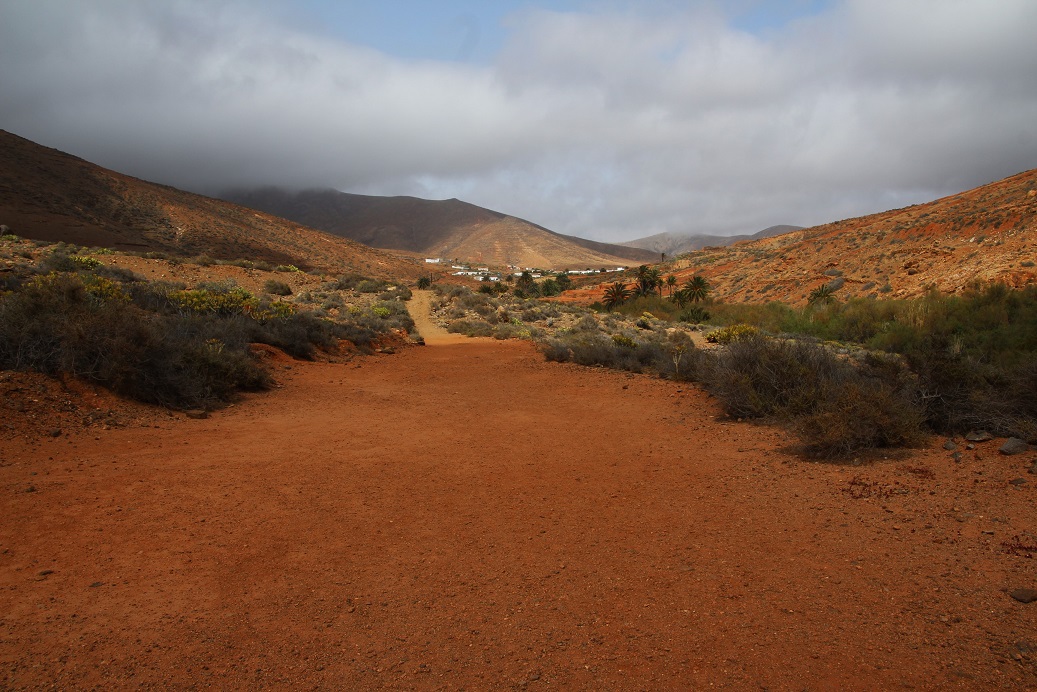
(49, 195)
(986, 234)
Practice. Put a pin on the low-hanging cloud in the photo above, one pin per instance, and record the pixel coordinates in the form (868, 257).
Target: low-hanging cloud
(611, 123)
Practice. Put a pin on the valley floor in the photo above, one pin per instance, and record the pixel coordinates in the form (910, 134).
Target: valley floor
(468, 516)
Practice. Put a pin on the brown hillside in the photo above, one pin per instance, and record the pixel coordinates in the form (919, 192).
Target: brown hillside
(439, 228)
(49, 195)
(987, 234)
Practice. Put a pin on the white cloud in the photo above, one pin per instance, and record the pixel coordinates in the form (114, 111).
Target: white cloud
(607, 123)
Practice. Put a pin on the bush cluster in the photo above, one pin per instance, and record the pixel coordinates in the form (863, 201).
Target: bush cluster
(587, 344)
(160, 342)
(836, 406)
(972, 353)
(59, 323)
(732, 334)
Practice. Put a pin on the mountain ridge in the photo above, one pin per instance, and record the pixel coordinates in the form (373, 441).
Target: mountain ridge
(48, 194)
(438, 228)
(674, 244)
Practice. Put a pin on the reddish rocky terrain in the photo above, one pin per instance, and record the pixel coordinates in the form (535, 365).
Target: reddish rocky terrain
(987, 234)
(468, 516)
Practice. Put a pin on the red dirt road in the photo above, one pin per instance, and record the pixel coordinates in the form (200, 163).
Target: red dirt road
(471, 517)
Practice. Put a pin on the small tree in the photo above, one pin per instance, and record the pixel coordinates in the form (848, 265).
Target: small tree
(679, 343)
(821, 295)
(616, 294)
(550, 287)
(671, 282)
(697, 288)
(424, 282)
(648, 279)
(527, 285)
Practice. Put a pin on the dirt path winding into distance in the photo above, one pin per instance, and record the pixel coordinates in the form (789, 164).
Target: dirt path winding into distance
(420, 307)
(471, 517)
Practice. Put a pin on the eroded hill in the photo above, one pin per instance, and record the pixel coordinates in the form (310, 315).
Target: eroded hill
(440, 228)
(49, 195)
(986, 234)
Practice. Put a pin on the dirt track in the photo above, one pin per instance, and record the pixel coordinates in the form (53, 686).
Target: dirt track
(471, 517)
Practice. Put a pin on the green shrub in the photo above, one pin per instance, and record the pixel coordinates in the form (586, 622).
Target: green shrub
(277, 288)
(120, 274)
(592, 347)
(695, 314)
(63, 324)
(624, 341)
(400, 292)
(733, 334)
(369, 286)
(61, 260)
(234, 301)
(470, 327)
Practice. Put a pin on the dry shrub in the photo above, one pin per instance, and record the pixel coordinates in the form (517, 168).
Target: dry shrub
(860, 414)
(835, 407)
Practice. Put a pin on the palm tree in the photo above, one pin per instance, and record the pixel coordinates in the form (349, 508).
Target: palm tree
(697, 288)
(424, 282)
(680, 297)
(671, 281)
(615, 295)
(527, 285)
(821, 294)
(648, 279)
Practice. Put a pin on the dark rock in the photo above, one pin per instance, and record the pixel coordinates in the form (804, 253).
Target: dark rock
(979, 436)
(1013, 445)
(957, 457)
(1017, 481)
(197, 413)
(950, 445)
(56, 432)
(1024, 595)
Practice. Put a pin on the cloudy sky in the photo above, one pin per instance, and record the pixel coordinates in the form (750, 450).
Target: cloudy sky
(609, 119)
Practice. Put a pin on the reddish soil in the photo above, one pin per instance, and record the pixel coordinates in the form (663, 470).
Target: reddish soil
(469, 516)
